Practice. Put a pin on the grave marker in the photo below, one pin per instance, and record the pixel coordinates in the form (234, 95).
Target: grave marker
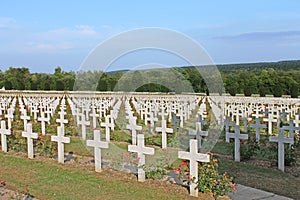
(257, 127)
(98, 145)
(280, 139)
(194, 157)
(141, 150)
(133, 127)
(164, 130)
(60, 139)
(4, 132)
(237, 136)
(30, 136)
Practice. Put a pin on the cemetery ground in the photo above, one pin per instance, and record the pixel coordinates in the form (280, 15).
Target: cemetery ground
(44, 178)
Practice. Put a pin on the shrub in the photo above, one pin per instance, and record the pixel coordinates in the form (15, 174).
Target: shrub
(209, 179)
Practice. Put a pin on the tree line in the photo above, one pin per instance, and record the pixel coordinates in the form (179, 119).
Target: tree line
(277, 79)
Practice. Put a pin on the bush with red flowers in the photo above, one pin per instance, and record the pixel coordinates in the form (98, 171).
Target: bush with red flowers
(209, 179)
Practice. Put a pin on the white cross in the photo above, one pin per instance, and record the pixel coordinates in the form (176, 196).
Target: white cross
(43, 119)
(98, 145)
(60, 139)
(237, 136)
(150, 118)
(133, 127)
(83, 124)
(94, 116)
(25, 118)
(9, 116)
(141, 150)
(194, 157)
(257, 127)
(257, 114)
(199, 134)
(164, 130)
(270, 119)
(107, 130)
(4, 132)
(62, 119)
(280, 139)
(291, 128)
(111, 122)
(35, 112)
(30, 136)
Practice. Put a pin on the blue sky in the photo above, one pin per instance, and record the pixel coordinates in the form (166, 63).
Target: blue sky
(41, 35)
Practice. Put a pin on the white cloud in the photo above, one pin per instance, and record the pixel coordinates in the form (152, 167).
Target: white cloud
(44, 47)
(77, 31)
(6, 22)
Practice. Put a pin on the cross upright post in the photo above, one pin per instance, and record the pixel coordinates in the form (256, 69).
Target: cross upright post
(4, 132)
(141, 150)
(98, 145)
(194, 157)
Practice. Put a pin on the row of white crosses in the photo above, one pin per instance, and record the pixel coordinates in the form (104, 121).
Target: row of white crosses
(280, 139)
(30, 135)
(84, 108)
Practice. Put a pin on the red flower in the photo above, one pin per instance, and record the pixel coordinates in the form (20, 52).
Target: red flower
(176, 171)
(183, 163)
(3, 182)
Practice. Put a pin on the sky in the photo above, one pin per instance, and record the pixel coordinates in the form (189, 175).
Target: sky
(42, 35)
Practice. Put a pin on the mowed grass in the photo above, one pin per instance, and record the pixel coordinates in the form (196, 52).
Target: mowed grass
(50, 180)
(267, 179)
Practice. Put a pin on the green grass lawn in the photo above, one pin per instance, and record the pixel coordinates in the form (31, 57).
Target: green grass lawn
(268, 179)
(49, 180)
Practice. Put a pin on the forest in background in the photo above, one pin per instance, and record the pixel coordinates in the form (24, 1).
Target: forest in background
(273, 78)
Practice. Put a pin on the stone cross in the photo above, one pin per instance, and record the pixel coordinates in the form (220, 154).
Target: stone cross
(257, 127)
(94, 116)
(141, 150)
(244, 119)
(280, 139)
(98, 145)
(291, 128)
(60, 139)
(270, 120)
(62, 119)
(83, 124)
(199, 134)
(107, 130)
(9, 116)
(30, 136)
(133, 127)
(25, 119)
(4, 132)
(175, 121)
(228, 124)
(194, 157)
(203, 122)
(237, 136)
(43, 119)
(164, 130)
(283, 115)
(35, 112)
